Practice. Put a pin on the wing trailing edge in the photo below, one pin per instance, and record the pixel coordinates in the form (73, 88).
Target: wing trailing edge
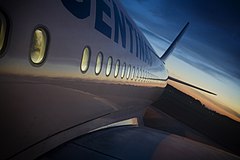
(190, 85)
(174, 43)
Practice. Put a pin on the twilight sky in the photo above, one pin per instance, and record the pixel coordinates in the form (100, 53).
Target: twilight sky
(209, 53)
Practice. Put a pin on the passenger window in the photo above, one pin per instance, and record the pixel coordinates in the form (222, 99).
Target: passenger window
(3, 33)
(39, 46)
(85, 59)
(140, 73)
(123, 70)
(137, 73)
(144, 76)
(109, 66)
(117, 68)
(128, 71)
(99, 62)
(133, 72)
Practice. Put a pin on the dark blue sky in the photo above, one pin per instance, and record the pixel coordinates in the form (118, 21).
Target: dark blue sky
(215, 23)
(211, 44)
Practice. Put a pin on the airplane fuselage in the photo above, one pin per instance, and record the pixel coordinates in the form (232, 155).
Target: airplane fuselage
(97, 69)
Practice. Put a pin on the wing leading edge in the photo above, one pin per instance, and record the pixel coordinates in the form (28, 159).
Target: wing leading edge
(190, 85)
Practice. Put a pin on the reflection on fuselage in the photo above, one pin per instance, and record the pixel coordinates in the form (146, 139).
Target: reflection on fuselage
(67, 79)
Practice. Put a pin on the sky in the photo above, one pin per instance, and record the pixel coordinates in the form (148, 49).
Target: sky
(208, 55)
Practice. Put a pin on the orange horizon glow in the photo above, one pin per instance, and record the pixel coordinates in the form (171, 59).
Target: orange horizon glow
(206, 101)
(226, 102)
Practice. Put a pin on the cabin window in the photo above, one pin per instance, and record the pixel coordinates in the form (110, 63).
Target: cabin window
(137, 73)
(144, 75)
(117, 68)
(140, 73)
(133, 72)
(128, 71)
(39, 46)
(85, 59)
(123, 70)
(109, 66)
(99, 62)
(3, 33)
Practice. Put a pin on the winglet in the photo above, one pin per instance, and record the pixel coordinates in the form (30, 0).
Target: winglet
(174, 43)
(190, 85)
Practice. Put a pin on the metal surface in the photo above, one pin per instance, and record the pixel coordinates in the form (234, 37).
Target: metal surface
(130, 143)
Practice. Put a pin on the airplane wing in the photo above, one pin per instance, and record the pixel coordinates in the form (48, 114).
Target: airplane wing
(170, 50)
(131, 142)
(190, 85)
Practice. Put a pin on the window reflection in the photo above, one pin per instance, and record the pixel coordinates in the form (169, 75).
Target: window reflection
(137, 73)
(99, 61)
(109, 66)
(133, 72)
(140, 73)
(85, 59)
(3, 32)
(39, 45)
(117, 68)
(123, 70)
(128, 71)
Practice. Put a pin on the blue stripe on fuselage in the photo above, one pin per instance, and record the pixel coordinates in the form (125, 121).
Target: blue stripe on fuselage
(82, 9)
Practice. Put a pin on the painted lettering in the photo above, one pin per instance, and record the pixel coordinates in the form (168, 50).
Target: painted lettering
(78, 9)
(82, 9)
(100, 25)
(130, 32)
(136, 39)
(119, 26)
